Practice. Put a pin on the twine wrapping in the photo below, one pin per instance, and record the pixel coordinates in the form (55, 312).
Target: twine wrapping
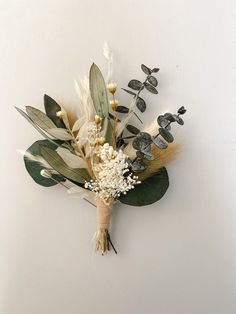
(104, 212)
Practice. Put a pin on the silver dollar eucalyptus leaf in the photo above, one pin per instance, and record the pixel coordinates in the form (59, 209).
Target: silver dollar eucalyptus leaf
(166, 135)
(178, 119)
(169, 117)
(141, 105)
(135, 84)
(162, 121)
(152, 80)
(150, 88)
(160, 143)
(145, 69)
(138, 166)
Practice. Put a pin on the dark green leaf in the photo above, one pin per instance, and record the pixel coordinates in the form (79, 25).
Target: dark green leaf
(122, 109)
(135, 84)
(51, 109)
(152, 80)
(145, 69)
(155, 70)
(35, 126)
(34, 168)
(40, 118)
(150, 88)
(132, 129)
(160, 143)
(57, 163)
(162, 121)
(129, 92)
(141, 105)
(155, 187)
(169, 117)
(98, 91)
(166, 135)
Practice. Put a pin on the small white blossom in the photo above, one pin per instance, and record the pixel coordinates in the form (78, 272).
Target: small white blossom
(112, 180)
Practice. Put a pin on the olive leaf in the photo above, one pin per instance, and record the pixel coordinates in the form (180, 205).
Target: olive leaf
(40, 118)
(60, 134)
(154, 186)
(145, 69)
(129, 91)
(98, 91)
(152, 80)
(36, 126)
(166, 135)
(135, 84)
(150, 88)
(132, 129)
(57, 163)
(141, 105)
(51, 109)
(34, 167)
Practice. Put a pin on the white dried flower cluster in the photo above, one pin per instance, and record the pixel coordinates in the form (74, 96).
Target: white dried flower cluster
(93, 131)
(112, 178)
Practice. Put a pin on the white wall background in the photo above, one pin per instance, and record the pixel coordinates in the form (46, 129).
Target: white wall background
(177, 256)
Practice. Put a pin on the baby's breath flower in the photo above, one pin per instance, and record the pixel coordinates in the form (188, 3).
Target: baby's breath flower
(111, 182)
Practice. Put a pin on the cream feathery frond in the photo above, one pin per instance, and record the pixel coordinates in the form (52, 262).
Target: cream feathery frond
(70, 159)
(38, 159)
(86, 103)
(108, 54)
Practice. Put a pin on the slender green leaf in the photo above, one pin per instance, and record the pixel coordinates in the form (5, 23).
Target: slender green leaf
(51, 109)
(57, 163)
(98, 91)
(132, 129)
(150, 88)
(122, 109)
(40, 118)
(129, 91)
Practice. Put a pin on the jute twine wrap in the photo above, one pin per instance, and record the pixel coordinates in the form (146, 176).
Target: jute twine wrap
(104, 212)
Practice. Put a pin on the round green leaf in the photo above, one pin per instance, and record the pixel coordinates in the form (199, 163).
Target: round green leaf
(149, 191)
(162, 121)
(34, 168)
(178, 119)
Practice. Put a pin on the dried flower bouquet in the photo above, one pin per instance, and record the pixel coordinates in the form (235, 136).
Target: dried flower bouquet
(100, 153)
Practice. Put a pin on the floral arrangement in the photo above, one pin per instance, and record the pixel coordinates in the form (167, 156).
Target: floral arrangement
(100, 154)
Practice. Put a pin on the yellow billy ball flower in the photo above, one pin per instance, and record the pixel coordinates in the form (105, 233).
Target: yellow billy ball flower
(111, 88)
(114, 104)
(59, 114)
(101, 140)
(97, 119)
